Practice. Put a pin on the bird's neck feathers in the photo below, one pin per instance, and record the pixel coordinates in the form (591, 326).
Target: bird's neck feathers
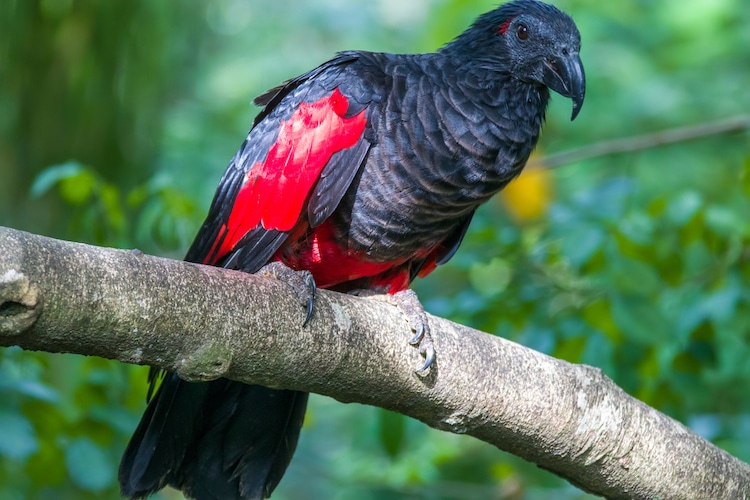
(489, 84)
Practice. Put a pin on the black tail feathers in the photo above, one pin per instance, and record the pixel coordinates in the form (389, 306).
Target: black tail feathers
(213, 440)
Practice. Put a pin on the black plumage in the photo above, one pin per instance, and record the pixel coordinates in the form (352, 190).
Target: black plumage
(403, 149)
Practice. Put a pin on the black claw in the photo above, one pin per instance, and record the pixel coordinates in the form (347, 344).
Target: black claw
(429, 359)
(302, 282)
(417, 338)
(408, 303)
(310, 304)
(312, 288)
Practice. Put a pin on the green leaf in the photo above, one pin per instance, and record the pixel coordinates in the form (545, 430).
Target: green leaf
(686, 362)
(702, 346)
(633, 277)
(598, 314)
(77, 189)
(17, 437)
(392, 428)
(490, 278)
(723, 221)
(640, 319)
(683, 207)
(638, 228)
(88, 465)
(110, 196)
(697, 258)
(571, 349)
(745, 177)
(115, 417)
(52, 175)
(721, 305)
(580, 242)
(649, 367)
(34, 390)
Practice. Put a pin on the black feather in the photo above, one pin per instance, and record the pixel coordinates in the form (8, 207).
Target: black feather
(335, 179)
(213, 440)
(163, 437)
(444, 133)
(249, 438)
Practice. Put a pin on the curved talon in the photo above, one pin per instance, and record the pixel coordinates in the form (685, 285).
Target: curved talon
(429, 359)
(302, 282)
(309, 313)
(417, 338)
(312, 288)
(408, 303)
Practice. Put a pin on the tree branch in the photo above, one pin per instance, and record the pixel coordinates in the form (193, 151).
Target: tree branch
(641, 142)
(204, 322)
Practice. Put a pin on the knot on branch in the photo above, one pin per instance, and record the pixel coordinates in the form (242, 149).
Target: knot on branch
(18, 303)
(209, 362)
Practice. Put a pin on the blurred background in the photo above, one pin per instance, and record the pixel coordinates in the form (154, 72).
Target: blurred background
(118, 118)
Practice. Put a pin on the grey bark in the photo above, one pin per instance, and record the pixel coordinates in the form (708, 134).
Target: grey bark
(204, 322)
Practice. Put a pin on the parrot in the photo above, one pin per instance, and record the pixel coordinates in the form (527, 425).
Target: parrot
(359, 175)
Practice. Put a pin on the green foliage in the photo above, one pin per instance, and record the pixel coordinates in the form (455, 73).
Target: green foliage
(163, 216)
(90, 468)
(392, 432)
(64, 423)
(118, 119)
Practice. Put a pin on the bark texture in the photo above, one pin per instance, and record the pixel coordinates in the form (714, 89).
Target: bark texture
(205, 322)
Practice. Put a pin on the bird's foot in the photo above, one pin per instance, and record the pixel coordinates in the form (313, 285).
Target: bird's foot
(409, 304)
(302, 282)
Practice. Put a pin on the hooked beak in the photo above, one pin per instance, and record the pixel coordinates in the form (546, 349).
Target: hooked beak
(565, 76)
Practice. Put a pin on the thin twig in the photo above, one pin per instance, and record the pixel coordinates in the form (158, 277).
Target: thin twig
(641, 142)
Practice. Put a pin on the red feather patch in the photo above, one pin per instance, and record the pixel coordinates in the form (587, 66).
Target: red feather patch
(329, 261)
(275, 189)
(332, 263)
(504, 27)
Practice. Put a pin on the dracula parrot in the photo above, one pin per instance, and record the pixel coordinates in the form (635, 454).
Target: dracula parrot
(363, 173)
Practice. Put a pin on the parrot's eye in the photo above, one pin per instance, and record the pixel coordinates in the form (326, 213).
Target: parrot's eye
(522, 32)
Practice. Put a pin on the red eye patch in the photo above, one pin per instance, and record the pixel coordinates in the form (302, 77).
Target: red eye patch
(504, 27)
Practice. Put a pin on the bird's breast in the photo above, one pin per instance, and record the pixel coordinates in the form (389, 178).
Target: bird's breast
(442, 146)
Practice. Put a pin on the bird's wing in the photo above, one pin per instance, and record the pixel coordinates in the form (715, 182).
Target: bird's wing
(300, 157)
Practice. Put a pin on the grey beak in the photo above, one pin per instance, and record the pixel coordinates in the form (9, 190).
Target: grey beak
(565, 76)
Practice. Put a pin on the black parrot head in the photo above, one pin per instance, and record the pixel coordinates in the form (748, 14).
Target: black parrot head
(534, 42)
